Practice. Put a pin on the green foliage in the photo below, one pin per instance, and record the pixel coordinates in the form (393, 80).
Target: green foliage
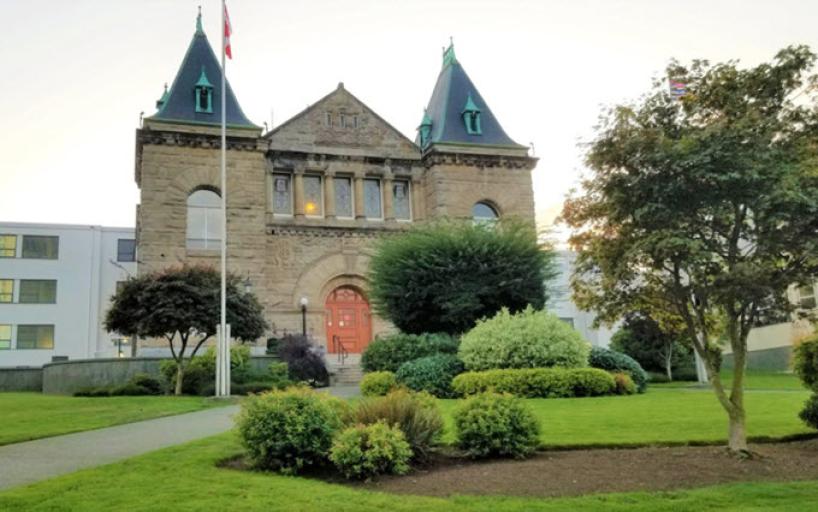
(528, 339)
(148, 382)
(130, 389)
(537, 382)
(416, 414)
(305, 363)
(491, 424)
(805, 362)
(140, 384)
(288, 430)
(364, 451)
(624, 384)
(613, 361)
(432, 374)
(388, 353)
(279, 374)
(653, 347)
(93, 391)
(444, 276)
(809, 414)
(378, 383)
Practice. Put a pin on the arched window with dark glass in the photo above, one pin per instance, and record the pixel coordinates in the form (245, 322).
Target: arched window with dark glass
(484, 212)
(204, 220)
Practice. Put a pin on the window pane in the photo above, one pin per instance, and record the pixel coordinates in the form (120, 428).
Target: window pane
(807, 297)
(482, 211)
(8, 246)
(206, 198)
(5, 336)
(35, 336)
(204, 214)
(343, 197)
(6, 290)
(213, 228)
(126, 249)
(45, 247)
(372, 199)
(313, 202)
(282, 194)
(401, 200)
(38, 291)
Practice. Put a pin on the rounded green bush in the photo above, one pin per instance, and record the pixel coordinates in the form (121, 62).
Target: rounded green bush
(805, 362)
(364, 451)
(613, 361)
(289, 429)
(416, 414)
(390, 352)
(537, 382)
(492, 424)
(432, 374)
(624, 384)
(809, 414)
(528, 339)
(378, 383)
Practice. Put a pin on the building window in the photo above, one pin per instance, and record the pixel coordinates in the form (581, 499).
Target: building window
(204, 94)
(41, 247)
(5, 336)
(282, 194)
(35, 337)
(372, 199)
(8, 246)
(38, 291)
(354, 121)
(343, 198)
(6, 290)
(126, 249)
(482, 212)
(401, 200)
(806, 297)
(568, 320)
(328, 119)
(313, 196)
(204, 220)
(471, 118)
(343, 121)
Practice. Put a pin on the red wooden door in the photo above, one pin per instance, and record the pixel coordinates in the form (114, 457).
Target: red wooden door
(348, 317)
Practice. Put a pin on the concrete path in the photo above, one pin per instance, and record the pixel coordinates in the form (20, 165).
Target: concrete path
(32, 461)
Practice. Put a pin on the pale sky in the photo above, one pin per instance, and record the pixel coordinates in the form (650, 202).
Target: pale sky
(76, 74)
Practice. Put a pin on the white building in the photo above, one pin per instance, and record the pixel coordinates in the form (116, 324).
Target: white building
(560, 303)
(56, 281)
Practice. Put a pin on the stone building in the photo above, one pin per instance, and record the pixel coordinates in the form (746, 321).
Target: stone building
(306, 200)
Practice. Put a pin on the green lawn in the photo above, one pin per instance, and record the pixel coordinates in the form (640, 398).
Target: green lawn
(161, 481)
(756, 380)
(29, 416)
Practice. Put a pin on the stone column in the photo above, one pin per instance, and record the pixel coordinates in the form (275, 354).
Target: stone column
(329, 194)
(359, 195)
(298, 193)
(388, 207)
(417, 192)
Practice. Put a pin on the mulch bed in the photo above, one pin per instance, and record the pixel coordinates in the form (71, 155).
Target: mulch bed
(577, 472)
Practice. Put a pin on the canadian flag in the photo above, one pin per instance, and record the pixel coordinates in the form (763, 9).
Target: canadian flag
(227, 31)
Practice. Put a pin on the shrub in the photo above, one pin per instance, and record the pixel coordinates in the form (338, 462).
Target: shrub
(149, 382)
(537, 382)
(247, 388)
(279, 374)
(529, 339)
(432, 374)
(130, 389)
(613, 361)
(304, 361)
(624, 384)
(416, 414)
(197, 376)
(364, 451)
(378, 383)
(288, 429)
(810, 412)
(495, 424)
(390, 352)
(650, 344)
(93, 392)
(805, 362)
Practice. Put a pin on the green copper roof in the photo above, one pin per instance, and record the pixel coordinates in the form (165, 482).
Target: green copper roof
(161, 101)
(199, 67)
(470, 106)
(448, 55)
(426, 121)
(199, 29)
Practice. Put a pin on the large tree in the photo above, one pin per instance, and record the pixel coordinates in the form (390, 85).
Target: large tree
(184, 303)
(446, 275)
(705, 205)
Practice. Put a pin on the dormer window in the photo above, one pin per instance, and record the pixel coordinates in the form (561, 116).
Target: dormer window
(425, 129)
(471, 118)
(204, 94)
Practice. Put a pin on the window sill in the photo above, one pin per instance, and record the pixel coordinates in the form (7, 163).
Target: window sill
(204, 253)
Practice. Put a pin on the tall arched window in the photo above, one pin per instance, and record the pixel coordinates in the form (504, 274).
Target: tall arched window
(483, 212)
(204, 220)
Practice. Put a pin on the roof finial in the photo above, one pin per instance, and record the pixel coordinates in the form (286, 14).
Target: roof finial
(448, 53)
(199, 29)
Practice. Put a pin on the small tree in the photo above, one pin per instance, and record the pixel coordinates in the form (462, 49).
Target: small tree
(654, 347)
(707, 205)
(444, 276)
(183, 302)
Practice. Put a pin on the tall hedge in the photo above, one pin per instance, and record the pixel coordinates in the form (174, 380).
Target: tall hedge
(388, 353)
(444, 276)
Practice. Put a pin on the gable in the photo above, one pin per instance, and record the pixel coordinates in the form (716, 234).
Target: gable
(341, 123)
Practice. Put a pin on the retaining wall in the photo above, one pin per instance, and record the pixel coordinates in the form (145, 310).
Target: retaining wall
(21, 379)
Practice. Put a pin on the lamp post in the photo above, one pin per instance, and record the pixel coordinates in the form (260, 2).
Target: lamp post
(304, 303)
(248, 286)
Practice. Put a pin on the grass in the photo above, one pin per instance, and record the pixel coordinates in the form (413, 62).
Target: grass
(29, 416)
(168, 474)
(754, 380)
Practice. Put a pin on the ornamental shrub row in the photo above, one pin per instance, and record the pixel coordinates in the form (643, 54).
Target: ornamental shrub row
(390, 352)
(537, 382)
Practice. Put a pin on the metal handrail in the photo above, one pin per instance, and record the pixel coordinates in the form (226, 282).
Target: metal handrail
(340, 349)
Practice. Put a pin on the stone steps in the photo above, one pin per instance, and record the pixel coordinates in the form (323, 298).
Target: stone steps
(348, 373)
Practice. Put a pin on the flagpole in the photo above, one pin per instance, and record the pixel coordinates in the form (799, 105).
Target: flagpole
(225, 349)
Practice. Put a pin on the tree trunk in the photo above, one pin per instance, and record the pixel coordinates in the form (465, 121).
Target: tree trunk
(180, 374)
(134, 339)
(737, 442)
(669, 363)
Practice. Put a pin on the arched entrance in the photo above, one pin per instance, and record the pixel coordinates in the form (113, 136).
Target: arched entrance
(349, 318)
